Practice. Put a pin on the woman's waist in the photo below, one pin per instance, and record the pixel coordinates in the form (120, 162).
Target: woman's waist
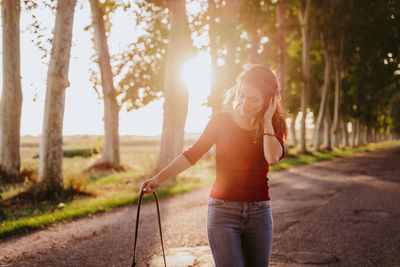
(241, 170)
(240, 193)
(246, 181)
(259, 203)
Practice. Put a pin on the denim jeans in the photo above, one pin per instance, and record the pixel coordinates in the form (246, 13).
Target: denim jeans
(239, 233)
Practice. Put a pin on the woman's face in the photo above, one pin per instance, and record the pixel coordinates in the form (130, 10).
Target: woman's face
(251, 100)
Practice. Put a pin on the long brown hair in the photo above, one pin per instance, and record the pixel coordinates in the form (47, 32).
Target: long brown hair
(265, 80)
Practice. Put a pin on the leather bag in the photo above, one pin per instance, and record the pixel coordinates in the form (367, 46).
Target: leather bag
(137, 224)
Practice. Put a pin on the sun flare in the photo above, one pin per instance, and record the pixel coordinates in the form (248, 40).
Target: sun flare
(196, 74)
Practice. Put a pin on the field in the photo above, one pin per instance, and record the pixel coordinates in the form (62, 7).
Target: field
(101, 191)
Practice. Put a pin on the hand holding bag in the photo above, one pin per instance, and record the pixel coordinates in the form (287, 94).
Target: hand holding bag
(137, 224)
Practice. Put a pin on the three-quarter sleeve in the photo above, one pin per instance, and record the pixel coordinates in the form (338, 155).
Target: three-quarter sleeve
(206, 140)
(279, 136)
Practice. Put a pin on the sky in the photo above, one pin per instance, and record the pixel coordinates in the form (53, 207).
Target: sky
(83, 111)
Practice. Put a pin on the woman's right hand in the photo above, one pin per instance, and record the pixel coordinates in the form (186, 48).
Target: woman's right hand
(150, 185)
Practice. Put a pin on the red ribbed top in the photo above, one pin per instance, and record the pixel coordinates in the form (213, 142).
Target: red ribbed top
(241, 168)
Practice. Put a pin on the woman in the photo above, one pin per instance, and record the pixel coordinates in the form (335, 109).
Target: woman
(248, 138)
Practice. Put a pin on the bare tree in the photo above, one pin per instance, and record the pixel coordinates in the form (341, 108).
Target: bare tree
(51, 145)
(110, 153)
(11, 99)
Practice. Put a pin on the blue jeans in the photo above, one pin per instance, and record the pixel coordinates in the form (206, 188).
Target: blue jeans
(239, 233)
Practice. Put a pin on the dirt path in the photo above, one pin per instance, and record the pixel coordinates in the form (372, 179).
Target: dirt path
(343, 212)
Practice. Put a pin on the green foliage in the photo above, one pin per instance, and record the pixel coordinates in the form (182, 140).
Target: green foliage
(2, 213)
(76, 181)
(368, 78)
(98, 146)
(395, 113)
(85, 152)
(367, 83)
(79, 153)
(142, 65)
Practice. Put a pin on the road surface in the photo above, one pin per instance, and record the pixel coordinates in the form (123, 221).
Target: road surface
(342, 212)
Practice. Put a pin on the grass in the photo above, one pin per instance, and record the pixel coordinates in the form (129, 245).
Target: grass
(296, 159)
(106, 190)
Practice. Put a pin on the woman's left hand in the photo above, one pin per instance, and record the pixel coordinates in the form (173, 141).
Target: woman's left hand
(271, 109)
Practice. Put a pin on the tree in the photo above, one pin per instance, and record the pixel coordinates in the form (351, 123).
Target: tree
(304, 17)
(371, 58)
(230, 25)
(11, 99)
(141, 65)
(51, 145)
(294, 83)
(323, 109)
(215, 98)
(338, 65)
(176, 96)
(281, 26)
(224, 31)
(110, 153)
(325, 17)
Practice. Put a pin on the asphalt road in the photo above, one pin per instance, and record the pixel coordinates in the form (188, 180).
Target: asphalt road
(342, 212)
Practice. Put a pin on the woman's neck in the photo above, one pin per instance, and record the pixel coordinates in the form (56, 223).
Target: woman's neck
(248, 121)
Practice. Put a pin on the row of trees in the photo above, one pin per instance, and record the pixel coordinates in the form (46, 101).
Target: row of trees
(332, 60)
(349, 47)
(51, 145)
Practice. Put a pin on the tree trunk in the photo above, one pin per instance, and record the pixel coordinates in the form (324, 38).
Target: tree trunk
(324, 99)
(176, 95)
(345, 133)
(340, 134)
(293, 140)
(280, 12)
(374, 134)
(327, 129)
(215, 98)
(110, 153)
(368, 133)
(51, 145)
(11, 98)
(305, 36)
(338, 90)
(387, 133)
(353, 132)
(356, 126)
(358, 132)
(361, 134)
(364, 135)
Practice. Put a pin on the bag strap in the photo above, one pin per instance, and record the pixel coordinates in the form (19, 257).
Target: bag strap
(137, 224)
